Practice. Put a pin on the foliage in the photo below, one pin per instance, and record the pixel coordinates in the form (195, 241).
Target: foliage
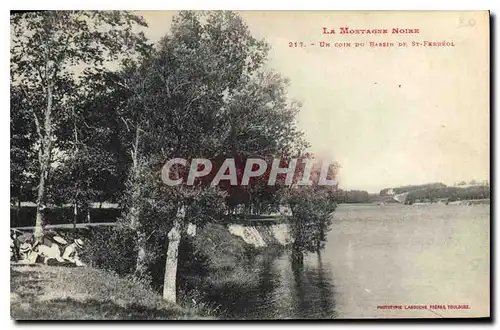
(48, 51)
(22, 156)
(403, 189)
(449, 193)
(184, 100)
(353, 196)
(111, 249)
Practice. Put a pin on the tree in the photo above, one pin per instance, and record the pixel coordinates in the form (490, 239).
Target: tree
(94, 163)
(21, 151)
(312, 207)
(202, 93)
(47, 50)
(311, 219)
(259, 122)
(196, 67)
(352, 196)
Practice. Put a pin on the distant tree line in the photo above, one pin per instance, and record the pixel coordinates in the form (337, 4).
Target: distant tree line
(450, 193)
(403, 189)
(352, 196)
(436, 191)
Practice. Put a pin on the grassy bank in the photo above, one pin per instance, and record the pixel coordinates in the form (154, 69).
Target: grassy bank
(226, 259)
(214, 268)
(219, 268)
(60, 293)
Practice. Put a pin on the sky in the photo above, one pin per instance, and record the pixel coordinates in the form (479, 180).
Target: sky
(389, 116)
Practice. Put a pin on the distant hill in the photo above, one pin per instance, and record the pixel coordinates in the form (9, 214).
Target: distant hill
(438, 191)
(450, 194)
(403, 189)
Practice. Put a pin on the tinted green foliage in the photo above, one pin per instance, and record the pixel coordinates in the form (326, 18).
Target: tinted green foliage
(311, 217)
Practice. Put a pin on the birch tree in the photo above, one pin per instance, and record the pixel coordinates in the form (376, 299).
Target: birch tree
(204, 92)
(177, 98)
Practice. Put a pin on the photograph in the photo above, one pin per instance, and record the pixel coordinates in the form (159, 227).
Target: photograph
(250, 165)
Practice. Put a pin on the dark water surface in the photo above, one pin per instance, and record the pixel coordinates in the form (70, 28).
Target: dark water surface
(283, 292)
(378, 255)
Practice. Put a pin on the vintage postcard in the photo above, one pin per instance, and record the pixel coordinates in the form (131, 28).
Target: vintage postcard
(249, 165)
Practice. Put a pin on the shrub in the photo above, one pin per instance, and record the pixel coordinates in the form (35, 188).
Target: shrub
(112, 249)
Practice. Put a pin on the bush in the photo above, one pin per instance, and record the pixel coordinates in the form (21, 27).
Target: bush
(112, 249)
(214, 261)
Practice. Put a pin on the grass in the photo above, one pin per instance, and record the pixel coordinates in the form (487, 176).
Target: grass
(228, 257)
(214, 261)
(228, 263)
(60, 293)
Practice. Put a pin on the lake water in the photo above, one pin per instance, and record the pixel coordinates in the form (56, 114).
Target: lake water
(377, 256)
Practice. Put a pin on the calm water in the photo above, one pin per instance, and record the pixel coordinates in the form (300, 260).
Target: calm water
(380, 255)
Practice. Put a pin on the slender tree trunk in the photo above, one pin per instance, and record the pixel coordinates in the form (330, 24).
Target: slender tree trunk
(75, 133)
(18, 211)
(134, 212)
(134, 222)
(136, 194)
(75, 215)
(40, 202)
(141, 265)
(170, 279)
(89, 204)
(44, 158)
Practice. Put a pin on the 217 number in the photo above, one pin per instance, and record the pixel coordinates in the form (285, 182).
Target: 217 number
(295, 44)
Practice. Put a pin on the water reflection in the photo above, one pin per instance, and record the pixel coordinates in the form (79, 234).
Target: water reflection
(313, 290)
(376, 255)
(284, 291)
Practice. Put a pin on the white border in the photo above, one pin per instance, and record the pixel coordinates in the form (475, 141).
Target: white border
(492, 5)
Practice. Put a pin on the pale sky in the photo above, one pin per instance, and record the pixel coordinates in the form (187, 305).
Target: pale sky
(389, 116)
